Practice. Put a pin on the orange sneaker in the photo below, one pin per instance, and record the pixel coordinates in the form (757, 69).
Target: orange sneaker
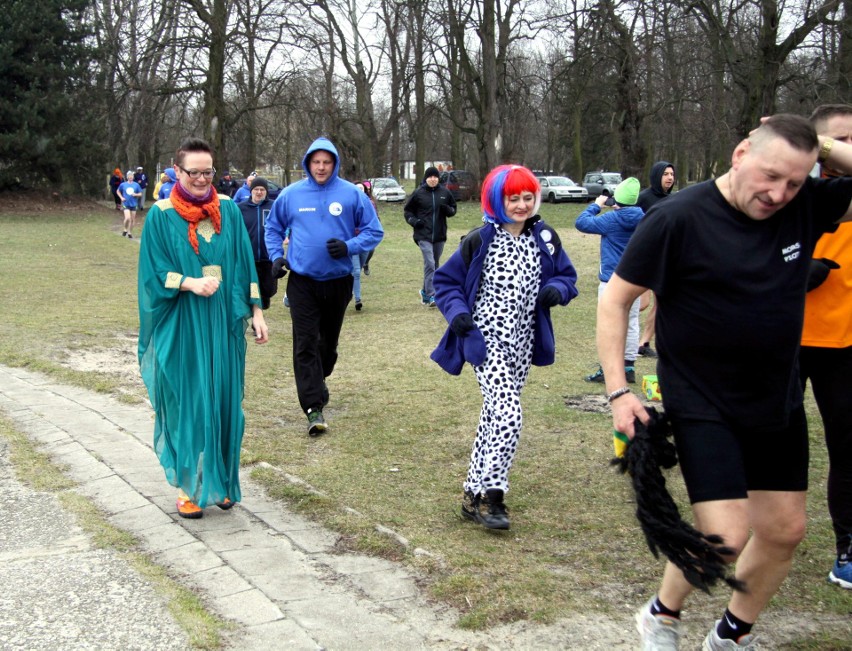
(226, 504)
(186, 509)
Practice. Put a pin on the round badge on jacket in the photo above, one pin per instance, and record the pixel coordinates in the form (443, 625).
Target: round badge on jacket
(336, 209)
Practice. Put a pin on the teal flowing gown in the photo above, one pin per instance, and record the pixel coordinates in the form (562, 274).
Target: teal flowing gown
(192, 349)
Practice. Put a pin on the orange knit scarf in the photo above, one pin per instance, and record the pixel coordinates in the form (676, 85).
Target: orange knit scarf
(193, 211)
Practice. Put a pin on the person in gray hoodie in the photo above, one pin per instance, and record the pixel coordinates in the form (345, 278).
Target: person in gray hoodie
(615, 228)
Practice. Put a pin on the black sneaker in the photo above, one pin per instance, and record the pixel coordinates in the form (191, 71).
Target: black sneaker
(316, 423)
(645, 350)
(630, 372)
(597, 376)
(489, 511)
(358, 306)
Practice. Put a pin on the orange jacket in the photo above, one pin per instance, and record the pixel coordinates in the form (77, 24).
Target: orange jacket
(828, 308)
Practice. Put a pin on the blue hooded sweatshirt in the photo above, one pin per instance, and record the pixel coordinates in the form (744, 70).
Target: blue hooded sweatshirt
(166, 188)
(615, 228)
(316, 213)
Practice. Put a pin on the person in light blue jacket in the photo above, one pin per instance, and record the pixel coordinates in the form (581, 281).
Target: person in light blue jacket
(615, 228)
(244, 193)
(166, 188)
(329, 220)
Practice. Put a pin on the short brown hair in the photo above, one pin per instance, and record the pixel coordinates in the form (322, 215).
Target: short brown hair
(191, 144)
(797, 131)
(825, 112)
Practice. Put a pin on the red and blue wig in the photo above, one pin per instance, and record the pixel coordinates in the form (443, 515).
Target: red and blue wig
(505, 181)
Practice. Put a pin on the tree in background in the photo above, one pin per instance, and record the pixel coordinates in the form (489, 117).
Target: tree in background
(47, 139)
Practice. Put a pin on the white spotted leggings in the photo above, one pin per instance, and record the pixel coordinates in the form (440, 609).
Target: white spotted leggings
(501, 378)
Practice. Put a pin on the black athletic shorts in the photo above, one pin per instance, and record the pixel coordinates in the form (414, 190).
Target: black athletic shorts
(719, 462)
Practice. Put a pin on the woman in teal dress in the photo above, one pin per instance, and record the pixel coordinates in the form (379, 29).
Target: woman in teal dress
(198, 290)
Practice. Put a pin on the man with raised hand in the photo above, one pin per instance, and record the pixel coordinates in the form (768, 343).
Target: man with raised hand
(728, 261)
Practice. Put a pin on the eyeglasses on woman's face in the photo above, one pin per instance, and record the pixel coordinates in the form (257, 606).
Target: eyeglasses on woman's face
(194, 174)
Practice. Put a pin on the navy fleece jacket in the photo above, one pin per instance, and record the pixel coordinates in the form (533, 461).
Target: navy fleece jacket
(457, 283)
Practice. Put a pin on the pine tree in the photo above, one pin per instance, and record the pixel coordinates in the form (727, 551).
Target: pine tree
(48, 138)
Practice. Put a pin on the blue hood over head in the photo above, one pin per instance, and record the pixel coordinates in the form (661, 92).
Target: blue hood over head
(323, 144)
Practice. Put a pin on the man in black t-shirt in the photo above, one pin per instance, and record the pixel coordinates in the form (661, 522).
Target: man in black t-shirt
(728, 262)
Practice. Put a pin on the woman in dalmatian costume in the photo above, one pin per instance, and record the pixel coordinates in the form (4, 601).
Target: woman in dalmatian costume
(496, 292)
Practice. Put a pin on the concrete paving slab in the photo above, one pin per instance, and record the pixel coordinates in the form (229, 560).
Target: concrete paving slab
(113, 494)
(165, 537)
(141, 519)
(261, 561)
(249, 608)
(235, 537)
(221, 581)
(189, 559)
(280, 634)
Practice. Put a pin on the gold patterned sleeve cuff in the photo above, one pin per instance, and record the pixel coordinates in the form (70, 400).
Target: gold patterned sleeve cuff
(254, 291)
(173, 280)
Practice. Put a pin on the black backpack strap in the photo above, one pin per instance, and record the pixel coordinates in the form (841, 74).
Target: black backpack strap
(470, 243)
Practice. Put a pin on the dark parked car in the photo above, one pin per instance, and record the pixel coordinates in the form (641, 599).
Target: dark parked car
(597, 183)
(461, 184)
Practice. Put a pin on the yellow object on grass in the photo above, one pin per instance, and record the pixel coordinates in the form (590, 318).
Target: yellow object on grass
(651, 388)
(620, 443)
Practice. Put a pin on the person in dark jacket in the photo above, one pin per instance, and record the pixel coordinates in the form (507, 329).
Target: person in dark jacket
(142, 179)
(227, 185)
(255, 211)
(496, 292)
(116, 180)
(426, 211)
(662, 184)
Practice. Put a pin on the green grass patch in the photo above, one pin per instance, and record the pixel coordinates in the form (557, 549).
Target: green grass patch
(402, 429)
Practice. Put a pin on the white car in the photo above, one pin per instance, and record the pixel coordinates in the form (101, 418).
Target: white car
(560, 188)
(386, 189)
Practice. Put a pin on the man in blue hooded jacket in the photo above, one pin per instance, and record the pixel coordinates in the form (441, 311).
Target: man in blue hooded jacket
(323, 214)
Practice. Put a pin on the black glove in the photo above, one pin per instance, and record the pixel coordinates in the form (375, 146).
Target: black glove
(462, 325)
(337, 248)
(279, 268)
(418, 223)
(549, 297)
(819, 271)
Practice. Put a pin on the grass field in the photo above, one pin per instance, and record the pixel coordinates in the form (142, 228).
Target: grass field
(401, 429)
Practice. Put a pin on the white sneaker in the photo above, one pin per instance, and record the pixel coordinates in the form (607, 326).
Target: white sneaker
(658, 632)
(715, 643)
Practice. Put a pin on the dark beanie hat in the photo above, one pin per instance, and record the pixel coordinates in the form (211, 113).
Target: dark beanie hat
(431, 171)
(258, 182)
